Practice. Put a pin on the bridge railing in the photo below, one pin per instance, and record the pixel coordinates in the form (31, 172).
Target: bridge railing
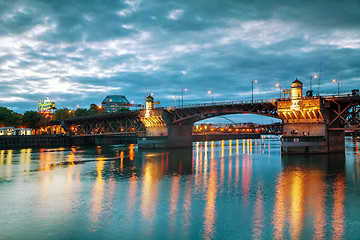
(222, 103)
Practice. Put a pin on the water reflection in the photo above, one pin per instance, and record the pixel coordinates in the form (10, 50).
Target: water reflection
(338, 209)
(301, 191)
(219, 189)
(209, 211)
(258, 219)
(97, 196)
(25, 160)
(6, 157)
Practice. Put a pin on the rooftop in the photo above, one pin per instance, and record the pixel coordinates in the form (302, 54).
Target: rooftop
(115, 99)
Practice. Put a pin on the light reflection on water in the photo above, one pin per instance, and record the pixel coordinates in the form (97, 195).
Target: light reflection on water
(223, 189)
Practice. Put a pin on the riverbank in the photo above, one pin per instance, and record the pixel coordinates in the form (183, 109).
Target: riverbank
(39, 141)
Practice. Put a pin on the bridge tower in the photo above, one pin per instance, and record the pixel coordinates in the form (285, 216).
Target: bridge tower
(160, 131)
(305, 124)
(152, 119)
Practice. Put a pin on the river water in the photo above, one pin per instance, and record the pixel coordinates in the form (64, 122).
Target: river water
(233, 189)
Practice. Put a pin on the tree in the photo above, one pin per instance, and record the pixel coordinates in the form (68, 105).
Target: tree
(81, 112)
(34, 120)
(9, 118)
(95, 109)
(62, 113)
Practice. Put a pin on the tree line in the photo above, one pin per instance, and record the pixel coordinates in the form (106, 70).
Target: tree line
(35, 120)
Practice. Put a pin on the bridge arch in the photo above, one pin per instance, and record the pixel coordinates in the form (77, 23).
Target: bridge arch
(191, 114)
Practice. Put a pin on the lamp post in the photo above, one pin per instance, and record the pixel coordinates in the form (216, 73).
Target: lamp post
(279, 86)
(182, 96)
(252, 90)
(174, 97)
(212, 97)
(334, 81)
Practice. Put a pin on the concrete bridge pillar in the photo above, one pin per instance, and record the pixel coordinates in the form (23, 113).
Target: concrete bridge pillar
(180, 135)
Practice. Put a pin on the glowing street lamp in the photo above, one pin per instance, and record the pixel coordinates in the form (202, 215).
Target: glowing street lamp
(182, 96)
(174, 97)
(279, 86)
(334, 81)
(252, 89)
(212, 96)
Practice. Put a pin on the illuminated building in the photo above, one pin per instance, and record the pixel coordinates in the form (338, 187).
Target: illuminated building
(114, 103)
(14, 131)
(45, 106)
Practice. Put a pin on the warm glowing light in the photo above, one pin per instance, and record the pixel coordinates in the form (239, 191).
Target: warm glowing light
(185, 89)
(334, 80)
(255, 81)
(209, 92)
(131, 151)
(277, 85)
(315, 76)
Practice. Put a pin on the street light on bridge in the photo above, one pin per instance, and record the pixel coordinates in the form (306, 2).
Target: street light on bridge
(182, 96)
(334, 81)
(252, 89)
(212, 96)
(279, 86)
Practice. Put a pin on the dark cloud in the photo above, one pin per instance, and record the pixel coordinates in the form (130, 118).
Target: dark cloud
(77, 52)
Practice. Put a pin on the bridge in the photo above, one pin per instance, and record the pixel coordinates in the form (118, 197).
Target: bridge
(311, 124)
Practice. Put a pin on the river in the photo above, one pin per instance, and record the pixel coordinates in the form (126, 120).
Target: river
(232, 189)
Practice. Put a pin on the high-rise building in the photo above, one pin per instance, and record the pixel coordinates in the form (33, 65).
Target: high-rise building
(114, 103)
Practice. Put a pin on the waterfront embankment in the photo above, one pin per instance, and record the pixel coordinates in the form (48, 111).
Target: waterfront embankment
(38, 141)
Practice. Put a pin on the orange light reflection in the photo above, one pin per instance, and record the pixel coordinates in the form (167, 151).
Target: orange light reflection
(97, 196)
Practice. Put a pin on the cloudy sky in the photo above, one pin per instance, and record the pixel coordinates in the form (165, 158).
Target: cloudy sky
(78, 51)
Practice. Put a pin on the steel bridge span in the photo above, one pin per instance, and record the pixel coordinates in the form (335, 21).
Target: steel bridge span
(322, 117)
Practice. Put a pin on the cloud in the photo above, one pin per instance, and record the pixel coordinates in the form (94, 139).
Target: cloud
(175, 14)
(81, 52)
(13, 99)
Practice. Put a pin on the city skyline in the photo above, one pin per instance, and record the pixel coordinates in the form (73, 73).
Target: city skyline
(76, 53)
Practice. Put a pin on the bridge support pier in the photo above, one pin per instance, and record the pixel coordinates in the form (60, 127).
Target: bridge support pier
(311, 138)
(180, 136)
